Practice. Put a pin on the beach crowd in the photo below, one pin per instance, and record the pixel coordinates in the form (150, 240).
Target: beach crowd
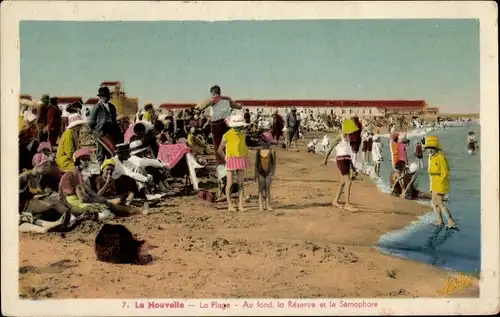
(104, 166)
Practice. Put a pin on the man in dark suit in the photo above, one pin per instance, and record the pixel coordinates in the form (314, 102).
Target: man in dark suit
(104, 124)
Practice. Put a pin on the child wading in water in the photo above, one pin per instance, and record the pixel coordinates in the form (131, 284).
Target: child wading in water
(236, 157)
(377, 154)
(344, 153)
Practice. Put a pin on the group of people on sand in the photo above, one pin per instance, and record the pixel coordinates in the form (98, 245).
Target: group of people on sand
(62, 182)
(403, 177)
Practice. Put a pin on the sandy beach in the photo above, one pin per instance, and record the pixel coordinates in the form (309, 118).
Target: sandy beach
(304, 248)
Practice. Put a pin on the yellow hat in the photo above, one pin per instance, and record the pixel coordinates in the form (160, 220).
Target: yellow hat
(432, 141)
(106, 163)
(349, 126)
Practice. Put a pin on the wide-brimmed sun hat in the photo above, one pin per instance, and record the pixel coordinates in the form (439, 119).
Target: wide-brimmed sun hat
(82, 152)
(432, 141)
(349, 126)
(137, 147)
(75, 120)
(236, 121)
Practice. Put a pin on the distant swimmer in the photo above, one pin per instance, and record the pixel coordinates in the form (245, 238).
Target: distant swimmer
(471, 143)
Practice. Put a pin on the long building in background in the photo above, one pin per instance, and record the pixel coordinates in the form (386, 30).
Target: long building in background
(373, 108)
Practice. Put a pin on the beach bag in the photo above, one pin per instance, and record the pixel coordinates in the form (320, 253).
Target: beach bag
(206, 196)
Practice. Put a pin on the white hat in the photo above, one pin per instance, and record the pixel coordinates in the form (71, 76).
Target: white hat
(192, 130)
(236, 120)
(413, 167)
(74, 120)
(136, 147)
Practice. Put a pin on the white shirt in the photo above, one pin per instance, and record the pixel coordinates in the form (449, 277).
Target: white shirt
(221, 110)
(106, 105)
(377, 151)
(343, 148)
(126, 168)
(145, 162)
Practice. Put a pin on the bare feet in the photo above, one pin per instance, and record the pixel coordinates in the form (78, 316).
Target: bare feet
(231, 209)
(336, 204)
(261, 209)
(349, 207)
(269, 208)
(241, 208)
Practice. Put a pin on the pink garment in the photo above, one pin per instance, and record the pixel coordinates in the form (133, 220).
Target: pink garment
(171, 154)
(237, 163)
(44, 146)
(38, 159)
(268, 137)
(129, 133)
(402, 153)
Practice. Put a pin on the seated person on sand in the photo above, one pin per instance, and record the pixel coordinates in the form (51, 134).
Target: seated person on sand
(152, 166)
(145, 132)
(69, 143)
(44, 153)
(76, 193)
(403, 180)
(117, 192)
(40, 208)
(132, 177)
(196, 144)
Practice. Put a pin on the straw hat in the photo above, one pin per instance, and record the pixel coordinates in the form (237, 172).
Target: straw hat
(432, 141)
(349, 126)
(236, 120)
(75, 120)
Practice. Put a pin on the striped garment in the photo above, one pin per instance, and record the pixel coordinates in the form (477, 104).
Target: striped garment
(236, 163)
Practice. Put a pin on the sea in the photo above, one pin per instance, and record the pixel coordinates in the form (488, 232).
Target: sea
(423, 241)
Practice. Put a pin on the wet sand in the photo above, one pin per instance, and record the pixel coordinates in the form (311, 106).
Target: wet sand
(304, 248)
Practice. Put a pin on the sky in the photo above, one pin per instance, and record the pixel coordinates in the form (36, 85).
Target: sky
(178, 61)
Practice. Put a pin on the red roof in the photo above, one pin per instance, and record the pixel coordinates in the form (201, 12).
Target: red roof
(65, 99)
(382, 104)
(391, 104)
(91, 101)
(111, 83)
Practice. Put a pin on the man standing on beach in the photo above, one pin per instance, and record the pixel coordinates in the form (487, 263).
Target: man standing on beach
(292, 124)
(103, 122)
(221, 108)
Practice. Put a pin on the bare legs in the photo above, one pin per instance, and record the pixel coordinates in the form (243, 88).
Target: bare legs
(264, 188)
(345, 181)
(240, 174)
(229, 183)
(439, 208)
(240, 179)
(377, 169)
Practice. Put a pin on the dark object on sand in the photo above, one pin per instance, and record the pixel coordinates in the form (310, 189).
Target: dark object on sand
(116, 244)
